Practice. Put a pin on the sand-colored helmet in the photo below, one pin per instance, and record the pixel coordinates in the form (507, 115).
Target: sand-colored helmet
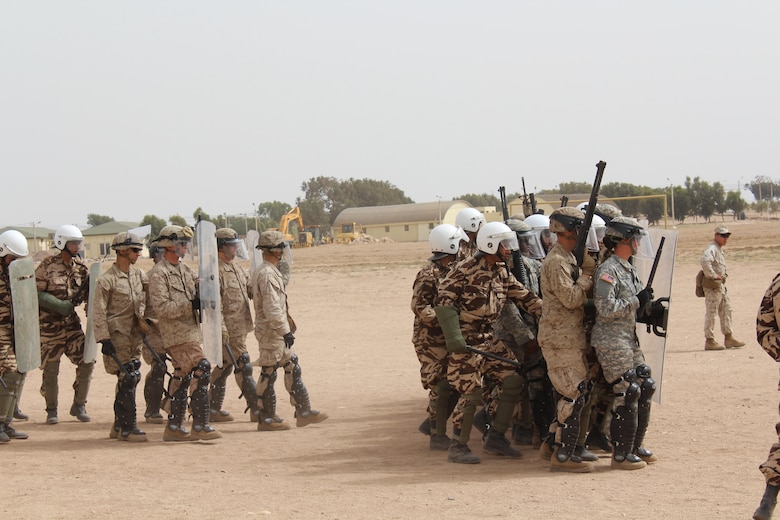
(126, 240)
(170, 235)
(565, 219)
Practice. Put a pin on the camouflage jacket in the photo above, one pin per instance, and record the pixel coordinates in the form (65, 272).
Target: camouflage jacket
(66, 282)
(7, 356)
(479, 291)
(171, 291)
(119, 303)
(426, 331)
(617, 285)
(768, 320)
(713, 261)
(561, 325)
(235, 291)
(270, 301)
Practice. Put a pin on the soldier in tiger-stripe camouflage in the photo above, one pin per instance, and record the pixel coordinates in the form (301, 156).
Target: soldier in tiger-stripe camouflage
(63, 285)
(13, 245)
(768, 336)
(427, 336)
(468, 304)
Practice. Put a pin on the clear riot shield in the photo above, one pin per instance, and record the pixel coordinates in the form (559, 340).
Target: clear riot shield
(90, 345)
(27, 330)
(652, 339)
(208, 288)
(252, 239)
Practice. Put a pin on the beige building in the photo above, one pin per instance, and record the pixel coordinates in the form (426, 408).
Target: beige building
(401, 222)
(38, 238)
(97, 239)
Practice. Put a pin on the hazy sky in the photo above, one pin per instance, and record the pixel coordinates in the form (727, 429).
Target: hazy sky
(157, 107)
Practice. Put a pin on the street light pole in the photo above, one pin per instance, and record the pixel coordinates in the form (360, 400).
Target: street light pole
(35, 237)
(671, 188)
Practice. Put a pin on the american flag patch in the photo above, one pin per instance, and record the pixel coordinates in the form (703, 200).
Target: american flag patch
(607, 278)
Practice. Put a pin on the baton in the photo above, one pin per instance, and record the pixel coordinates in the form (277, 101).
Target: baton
(231, 356)
(495, 356)
(2, 383)
(121, 366)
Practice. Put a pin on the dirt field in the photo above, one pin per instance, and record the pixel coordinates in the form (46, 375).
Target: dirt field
(351, 303)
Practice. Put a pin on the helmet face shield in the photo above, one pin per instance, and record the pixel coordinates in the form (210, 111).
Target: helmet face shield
(548, 239)
(530, 245)
(644, 247)
(511, 242)
(183, 248)
(593, 242)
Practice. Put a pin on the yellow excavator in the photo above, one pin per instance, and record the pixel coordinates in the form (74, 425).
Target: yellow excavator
(295, 234)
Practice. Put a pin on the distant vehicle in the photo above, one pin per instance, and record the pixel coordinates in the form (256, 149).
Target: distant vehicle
(350, 231)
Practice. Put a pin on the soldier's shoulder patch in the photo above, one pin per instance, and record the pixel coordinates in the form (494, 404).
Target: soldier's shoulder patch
(607, 277)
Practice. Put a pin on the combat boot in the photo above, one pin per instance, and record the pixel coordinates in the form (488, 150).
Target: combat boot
(767, 505)
(113, 433)
(174, 433)
(571, 464)
(4, 436)
(546, 449)
(439, 442)
(272, 424)
(711, 344)
(482, 421)
(461, 454)
(646, 455)
(425, 427)
(522, 436)
(19, 415)
(731, 342)
(80, 391)
(496, 443)
(13, 434)
(304, 418)
(586, 455)
(598, 441)
(79, 411)
(51, 416)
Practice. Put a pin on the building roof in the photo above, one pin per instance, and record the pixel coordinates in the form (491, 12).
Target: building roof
(398, 213)
(30, 232)
(109, 228)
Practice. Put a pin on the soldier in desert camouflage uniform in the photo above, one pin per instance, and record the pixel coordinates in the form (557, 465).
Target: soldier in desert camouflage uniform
(468, 304)
(63, 285)
(768, 336)
(235, 293)
(716, 298)
(118, 321)
(13, 245)
(274, 333)
(427, 336)
(562, 338)
(173, 296)
(154, 382)
(618, 296)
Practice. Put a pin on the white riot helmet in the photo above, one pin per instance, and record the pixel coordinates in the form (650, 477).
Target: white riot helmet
(444, 240)
(470, 219)
(540, 224)
(65, 234)
(493, 234)
(13, 242)
(596, 234)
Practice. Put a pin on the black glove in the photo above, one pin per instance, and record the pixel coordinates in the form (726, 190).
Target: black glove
(107, 348)
(289, 339)
(645, 295)
(195, 304)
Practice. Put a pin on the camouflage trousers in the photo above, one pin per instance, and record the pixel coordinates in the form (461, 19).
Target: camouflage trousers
(237, 347)
(184, 357)
(433, 368)
(717, 303)
(464, 373)
(127, 350)
(616, 360)
(67, 339)
(566, 368)
(155, 341)
(771, 468)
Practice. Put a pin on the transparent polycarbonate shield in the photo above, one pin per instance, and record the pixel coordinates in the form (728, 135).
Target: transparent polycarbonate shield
(255, 257)
(27, 330)
(208, 288)
(653, 338)
(90, 345)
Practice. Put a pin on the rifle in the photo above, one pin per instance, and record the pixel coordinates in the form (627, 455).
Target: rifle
(564, 201)
(232, 357)
(654, 314)
(518, 266)
(526, 205)
(582, 236)
(512, 362)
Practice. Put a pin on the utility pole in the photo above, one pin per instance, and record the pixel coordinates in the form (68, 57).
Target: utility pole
(671, 188)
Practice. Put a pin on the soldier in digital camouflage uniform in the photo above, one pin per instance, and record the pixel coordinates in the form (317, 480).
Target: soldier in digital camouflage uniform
(716, 298)
(173, 296)
(562, 339)
(618, 295)
(427, 336)
(275, 339)
(235, 293)
(63, 285)
(13, 245)
(469, 220)
(468, 303)
(154, 382)
(118, 321)
(768, 336)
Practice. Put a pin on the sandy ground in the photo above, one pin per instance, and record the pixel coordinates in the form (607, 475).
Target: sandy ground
(713, 428)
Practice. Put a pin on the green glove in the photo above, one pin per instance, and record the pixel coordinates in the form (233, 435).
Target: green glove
(52, 303)
(450, 325)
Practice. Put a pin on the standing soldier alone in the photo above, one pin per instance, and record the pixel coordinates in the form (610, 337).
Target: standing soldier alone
(118, 320)
(63, 284)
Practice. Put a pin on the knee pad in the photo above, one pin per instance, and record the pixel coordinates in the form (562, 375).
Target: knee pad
(512, 385)
(643, 371)
(158, 371)
(294, 362)
(204, 367)
(632, 394)
(647, 389)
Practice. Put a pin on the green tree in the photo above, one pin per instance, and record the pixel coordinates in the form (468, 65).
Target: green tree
(485, 199)
(202, 215)
(177, 220)
(764, 188)
(271, 212)
(735, 203)
(94, 219)
(156, 222)
(333, 195)
(565, 188)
